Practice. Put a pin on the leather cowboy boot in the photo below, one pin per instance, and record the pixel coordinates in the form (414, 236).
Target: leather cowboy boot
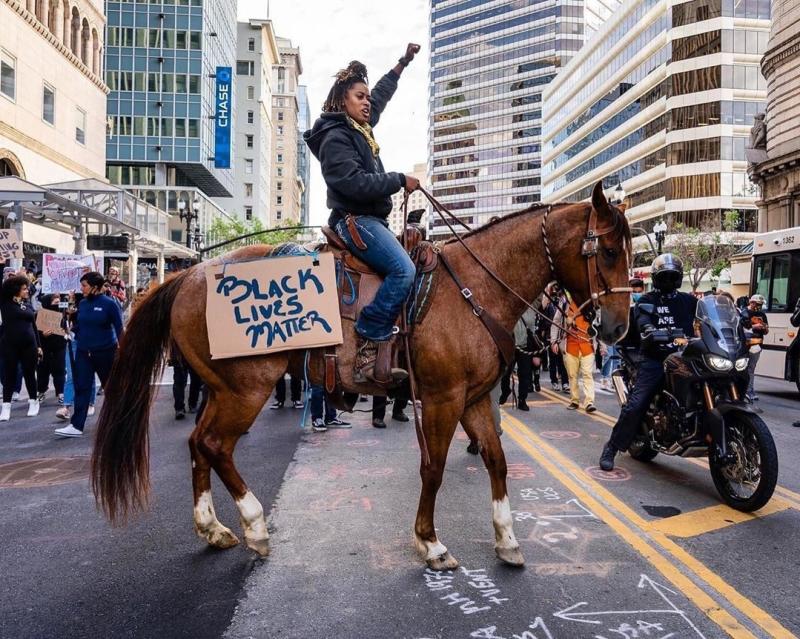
(373, 363)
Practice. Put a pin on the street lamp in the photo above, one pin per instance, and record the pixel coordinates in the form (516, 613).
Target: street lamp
(189, 215)
(619, 195)
(660, 229)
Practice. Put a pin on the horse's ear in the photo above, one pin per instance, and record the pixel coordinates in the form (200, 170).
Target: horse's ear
(599, 201)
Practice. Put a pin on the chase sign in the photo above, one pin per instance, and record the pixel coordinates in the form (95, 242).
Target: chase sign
(222, 130)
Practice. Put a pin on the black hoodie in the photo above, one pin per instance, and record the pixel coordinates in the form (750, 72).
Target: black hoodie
(355, 178)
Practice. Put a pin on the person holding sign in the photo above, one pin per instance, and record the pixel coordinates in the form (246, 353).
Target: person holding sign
(359, 195)
(19, 343)
(54, 346)
(98, 328)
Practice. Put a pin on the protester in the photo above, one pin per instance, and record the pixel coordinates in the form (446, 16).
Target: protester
(19, 343)
(577, 348)
(54, 348)
(116, 287)
(755, 320)
(556, 305)
(610, 363)
(99, 327)
(330, 420)
(379, 403)
(181, 374)
(296, 389)
(524, 343)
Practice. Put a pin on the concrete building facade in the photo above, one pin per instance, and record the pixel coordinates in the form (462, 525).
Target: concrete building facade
(779, 173)
(52, 97)
(161, 66)
(490, 62)
(287, 186)
(257, 52)
(415, 201)
(660, 100)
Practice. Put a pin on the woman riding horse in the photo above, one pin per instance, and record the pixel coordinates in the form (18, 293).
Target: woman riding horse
(359, 196)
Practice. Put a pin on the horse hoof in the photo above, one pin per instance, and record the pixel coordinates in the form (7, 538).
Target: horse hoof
(511, 556)
(221, 538)
(444, 561)
(261, 546)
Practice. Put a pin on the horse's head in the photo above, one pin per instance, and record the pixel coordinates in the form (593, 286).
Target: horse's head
(592, 263)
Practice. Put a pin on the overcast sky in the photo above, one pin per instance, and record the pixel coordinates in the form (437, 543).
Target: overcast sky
(331, 33)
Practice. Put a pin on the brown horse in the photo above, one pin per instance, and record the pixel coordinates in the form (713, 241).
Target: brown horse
(454, 357)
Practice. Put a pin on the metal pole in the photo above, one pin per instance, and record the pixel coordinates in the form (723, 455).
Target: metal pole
(647, 235)
(17, 263)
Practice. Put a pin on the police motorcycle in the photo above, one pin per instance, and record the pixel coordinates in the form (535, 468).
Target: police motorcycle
(700, 411)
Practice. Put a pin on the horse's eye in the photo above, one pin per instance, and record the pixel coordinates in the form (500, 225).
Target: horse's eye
(610, 253)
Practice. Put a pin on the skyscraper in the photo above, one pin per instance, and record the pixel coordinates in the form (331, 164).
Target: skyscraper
(489, 64)
(168, 65)
(257, 52)
(661, 100)
(287, 186)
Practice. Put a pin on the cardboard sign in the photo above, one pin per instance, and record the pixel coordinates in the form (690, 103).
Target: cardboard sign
(49, 321)
(62, 273)
(10, 246)
(272, 304)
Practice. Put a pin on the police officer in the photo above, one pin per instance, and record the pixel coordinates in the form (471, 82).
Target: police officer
(664, 307)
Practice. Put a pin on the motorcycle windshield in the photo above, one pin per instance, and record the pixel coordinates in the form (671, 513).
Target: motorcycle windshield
(719, 314)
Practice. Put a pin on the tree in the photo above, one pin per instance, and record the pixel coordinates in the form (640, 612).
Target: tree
(232, 232)
(705, 249)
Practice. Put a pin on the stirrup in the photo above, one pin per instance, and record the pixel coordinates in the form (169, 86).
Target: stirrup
(373, 364)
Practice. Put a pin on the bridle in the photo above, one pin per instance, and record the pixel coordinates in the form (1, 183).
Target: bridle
(598, 285)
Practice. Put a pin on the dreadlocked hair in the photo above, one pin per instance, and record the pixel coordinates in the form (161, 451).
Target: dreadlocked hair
(354, 73)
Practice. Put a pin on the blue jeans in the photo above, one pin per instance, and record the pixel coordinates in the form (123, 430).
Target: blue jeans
(649, 378)
(388, 257)
(317, 400)
(610, 361)
(69, 386)
(86, 365)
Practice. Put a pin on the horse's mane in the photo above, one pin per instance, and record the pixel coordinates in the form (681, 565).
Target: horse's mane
(620, 231)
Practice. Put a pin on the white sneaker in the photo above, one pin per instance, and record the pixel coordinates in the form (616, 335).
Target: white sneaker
(63, 413)
(15, 397)
(5, 413)
(68, 431)
(90, 412)
(33, 407)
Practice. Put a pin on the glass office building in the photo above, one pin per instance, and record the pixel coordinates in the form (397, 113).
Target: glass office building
(161, 61)
(303, 153)
(490, 62)
(661, 99)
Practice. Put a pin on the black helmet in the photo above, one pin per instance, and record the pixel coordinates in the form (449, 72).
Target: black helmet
(667, 273)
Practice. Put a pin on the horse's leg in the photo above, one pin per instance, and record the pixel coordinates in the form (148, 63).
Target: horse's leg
(439, 421)
(234, 416)
(478, 422)
(206, 524)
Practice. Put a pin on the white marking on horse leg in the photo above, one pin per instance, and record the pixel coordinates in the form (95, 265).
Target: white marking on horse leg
(253, 521)
(503, 524)
(429, 549)
(208, 526)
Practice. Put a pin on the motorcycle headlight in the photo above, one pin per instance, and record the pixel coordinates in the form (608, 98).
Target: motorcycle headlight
(719, 363)
(742, 363)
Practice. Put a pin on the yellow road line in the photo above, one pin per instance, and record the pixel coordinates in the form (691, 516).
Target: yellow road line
(556, 464)
(790, 496)
(705, 520)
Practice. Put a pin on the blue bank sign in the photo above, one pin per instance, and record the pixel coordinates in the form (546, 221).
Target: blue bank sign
(222, 130)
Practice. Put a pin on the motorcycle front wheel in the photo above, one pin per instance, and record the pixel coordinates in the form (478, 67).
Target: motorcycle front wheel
(748, 482)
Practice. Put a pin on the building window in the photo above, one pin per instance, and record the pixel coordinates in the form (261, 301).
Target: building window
(280, 130)
(248, 167)
(248, 213)
(8, 75)
(245, 67)
(194, 128)
(248, 141)
(280, 116)
(248, 189)
(251, 44)
(80, 125)
(279, 199)
(280, 171)
(278, 215)
(280, 186)
(250, 117)
(49, 104)
(194, 40)
(251, 93)
(280, 157)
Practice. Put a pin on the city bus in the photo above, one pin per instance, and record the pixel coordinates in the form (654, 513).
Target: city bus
(776, 276)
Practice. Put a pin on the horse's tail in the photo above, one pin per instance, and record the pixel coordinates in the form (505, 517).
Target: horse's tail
(121, 457)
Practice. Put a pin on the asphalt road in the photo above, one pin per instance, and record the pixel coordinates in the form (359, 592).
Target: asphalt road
(646, 552)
